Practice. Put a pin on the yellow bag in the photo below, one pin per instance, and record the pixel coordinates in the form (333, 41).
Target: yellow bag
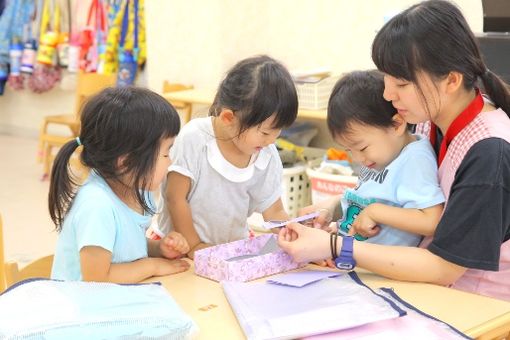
(48, 38)
(110, 57)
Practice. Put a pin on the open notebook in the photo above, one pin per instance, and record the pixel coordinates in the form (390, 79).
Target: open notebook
(283, 311)
(310, 303)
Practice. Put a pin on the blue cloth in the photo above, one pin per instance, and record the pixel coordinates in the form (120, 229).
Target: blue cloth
(55, 310)
(409, 181)
(99, 218)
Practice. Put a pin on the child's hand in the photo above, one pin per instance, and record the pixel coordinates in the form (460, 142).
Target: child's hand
(364, 224)
(332, 228)
(321, 221)
(173, 245)
(166, 267)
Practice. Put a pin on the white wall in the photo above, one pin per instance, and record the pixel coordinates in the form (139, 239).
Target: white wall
(196, 41)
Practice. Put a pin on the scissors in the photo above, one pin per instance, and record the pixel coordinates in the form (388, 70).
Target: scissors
(278, 224)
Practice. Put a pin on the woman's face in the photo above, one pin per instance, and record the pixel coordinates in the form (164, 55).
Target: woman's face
(415, 103)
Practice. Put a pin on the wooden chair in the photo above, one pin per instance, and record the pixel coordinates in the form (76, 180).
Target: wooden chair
(10, 273)
(88, 85)
(185, 107)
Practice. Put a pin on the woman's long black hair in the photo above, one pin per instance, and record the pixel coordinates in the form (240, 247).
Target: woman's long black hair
(434, 37)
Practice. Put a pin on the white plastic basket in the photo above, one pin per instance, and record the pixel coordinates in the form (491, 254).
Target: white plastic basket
(296, 189)
(325, 185)
(315, 96)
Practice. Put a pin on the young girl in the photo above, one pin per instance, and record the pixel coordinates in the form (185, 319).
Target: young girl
(126, 134)
(432, 65)
(226, 166)
(391, 203)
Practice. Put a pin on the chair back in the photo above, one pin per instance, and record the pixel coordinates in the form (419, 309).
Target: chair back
(37, 268)
(88, 85)
(10, 273)
(173, 87)
(179, 105)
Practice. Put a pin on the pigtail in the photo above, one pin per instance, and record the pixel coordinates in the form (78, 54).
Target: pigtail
(497, 90)
(62, 184)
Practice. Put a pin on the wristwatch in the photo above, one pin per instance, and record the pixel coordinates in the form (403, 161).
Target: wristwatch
(345, 261)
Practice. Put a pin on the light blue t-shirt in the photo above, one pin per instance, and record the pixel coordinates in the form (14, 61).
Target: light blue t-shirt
(99, 218)
(409, 181)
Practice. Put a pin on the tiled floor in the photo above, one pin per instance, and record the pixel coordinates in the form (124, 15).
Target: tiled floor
(28, 230)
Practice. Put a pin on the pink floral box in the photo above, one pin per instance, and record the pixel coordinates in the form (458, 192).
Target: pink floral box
(213, 263)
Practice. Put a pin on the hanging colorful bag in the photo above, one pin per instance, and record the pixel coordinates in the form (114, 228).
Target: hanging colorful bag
(92, 37)
(16, 15)
(46, 71)
(128, 58)
(111, 55)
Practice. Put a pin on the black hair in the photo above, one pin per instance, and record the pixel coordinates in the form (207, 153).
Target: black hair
(433, 36)
(117, 122)
(358, 98)
(255, 89)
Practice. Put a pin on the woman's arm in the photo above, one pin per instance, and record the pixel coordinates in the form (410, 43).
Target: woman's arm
(417, 221)
(96, 266)
(399, 263)
(177, 190)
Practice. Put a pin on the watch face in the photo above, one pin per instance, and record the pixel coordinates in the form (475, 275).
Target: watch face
(341, 264)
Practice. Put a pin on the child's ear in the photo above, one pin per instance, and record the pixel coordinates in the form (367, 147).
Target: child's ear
(120, 162)
(399, 123)
(227, 116)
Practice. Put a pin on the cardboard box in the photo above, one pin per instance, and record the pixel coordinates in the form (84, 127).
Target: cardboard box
(240, 260)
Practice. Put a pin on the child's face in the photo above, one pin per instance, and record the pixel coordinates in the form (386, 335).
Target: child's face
(257, 137)
(163, 161)
(373, 147)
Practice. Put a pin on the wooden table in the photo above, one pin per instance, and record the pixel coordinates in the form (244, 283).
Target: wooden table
(477, 316)
(206, 97)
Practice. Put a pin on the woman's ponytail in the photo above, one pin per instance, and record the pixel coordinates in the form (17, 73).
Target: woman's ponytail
(497, 90)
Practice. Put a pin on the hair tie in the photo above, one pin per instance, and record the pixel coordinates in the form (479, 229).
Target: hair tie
(78, 141)
(486, 73)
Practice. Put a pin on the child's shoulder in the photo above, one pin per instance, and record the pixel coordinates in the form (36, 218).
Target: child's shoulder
(197, 128)
(418, 153)
(94, 193)
(420, 146)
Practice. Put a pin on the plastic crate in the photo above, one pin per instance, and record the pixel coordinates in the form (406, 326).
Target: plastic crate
(295, 182)
(296, 189)
(315, 96)
(325, 185)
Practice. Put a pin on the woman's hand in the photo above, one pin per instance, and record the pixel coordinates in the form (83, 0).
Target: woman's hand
(304, 244)
(173, 245)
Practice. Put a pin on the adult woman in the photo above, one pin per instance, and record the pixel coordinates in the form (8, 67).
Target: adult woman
(432, 64)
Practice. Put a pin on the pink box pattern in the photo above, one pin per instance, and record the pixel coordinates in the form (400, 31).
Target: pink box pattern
(212, 262)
